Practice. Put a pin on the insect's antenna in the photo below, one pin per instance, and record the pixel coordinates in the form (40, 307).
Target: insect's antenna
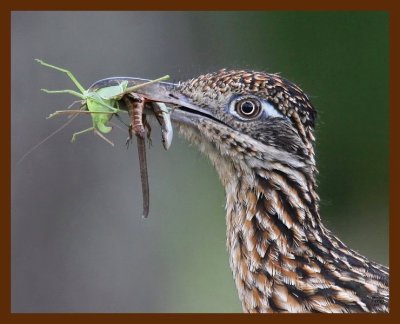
(45, 139)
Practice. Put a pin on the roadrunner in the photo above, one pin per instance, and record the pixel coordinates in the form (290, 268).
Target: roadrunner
(257, 129)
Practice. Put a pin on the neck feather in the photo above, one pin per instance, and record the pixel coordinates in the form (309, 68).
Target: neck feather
(282, 257)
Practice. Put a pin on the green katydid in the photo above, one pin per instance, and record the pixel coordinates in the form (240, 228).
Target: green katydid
(101, 103)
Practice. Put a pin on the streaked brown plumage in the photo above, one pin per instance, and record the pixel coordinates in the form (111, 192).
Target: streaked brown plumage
(257, 129)
(282, 257)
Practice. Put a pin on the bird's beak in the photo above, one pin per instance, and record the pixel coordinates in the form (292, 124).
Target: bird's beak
(184, 110)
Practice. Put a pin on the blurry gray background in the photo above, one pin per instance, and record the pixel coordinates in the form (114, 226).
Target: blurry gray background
(78, 241)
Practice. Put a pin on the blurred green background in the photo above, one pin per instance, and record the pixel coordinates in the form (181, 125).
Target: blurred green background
(78, 241)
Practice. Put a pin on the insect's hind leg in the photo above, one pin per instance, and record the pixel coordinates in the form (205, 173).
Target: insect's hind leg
(72, 92)
(103, 137)
(70, 75)
(74, 135)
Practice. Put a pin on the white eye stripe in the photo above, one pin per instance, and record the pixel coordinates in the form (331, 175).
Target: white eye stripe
(269, 109)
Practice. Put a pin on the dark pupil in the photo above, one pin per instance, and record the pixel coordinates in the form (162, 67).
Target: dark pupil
(247, 107)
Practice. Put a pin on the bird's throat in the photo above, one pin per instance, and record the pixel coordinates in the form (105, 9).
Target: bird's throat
(281, 254)
(282, 257)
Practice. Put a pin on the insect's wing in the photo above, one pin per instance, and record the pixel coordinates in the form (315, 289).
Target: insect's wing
(111, 92)
(124, 85)
(96, 102)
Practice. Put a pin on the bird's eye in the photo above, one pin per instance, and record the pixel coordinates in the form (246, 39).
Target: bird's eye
(248, 108)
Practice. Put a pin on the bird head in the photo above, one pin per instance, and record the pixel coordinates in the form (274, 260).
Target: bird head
(241, 116)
